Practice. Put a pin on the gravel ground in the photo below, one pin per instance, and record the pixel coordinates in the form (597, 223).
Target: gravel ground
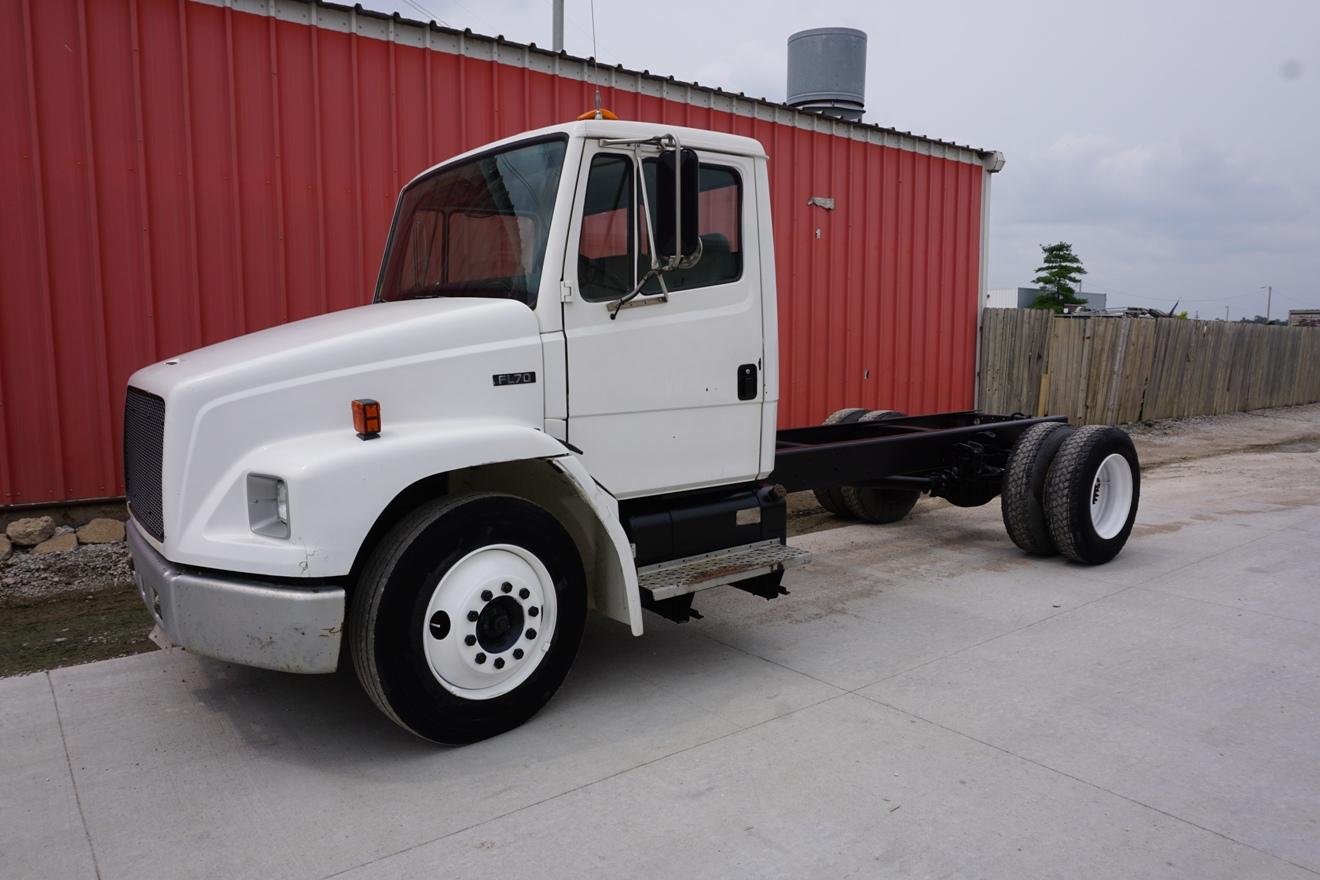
(28, 579)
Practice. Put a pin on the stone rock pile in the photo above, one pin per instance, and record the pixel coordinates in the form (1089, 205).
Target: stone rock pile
(40, 560)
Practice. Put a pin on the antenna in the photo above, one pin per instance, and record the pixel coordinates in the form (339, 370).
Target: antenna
(595, 66)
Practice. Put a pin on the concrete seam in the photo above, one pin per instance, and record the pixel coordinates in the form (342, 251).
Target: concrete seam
(578, 788)
(842, 690)
(1226, 607)
(1070, 610)
(1233, 549)
(1095, 785)
(73, 780)
(987, 641)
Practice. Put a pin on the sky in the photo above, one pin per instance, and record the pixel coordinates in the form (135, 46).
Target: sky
(1175, 144)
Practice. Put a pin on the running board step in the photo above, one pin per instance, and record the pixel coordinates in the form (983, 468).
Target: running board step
(681, 577)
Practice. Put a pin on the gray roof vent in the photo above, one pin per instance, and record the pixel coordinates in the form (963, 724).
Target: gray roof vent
(827, 71)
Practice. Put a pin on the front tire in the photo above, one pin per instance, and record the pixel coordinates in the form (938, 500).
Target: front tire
(467, 616)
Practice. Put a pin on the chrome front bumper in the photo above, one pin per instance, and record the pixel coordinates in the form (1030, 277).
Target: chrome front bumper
(237, 617)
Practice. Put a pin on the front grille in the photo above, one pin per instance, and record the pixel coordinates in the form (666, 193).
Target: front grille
(144, 440)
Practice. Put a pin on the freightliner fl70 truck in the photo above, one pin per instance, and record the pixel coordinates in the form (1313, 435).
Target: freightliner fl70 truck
(563, 397)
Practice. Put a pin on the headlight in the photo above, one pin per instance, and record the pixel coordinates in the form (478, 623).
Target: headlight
(268, 505)
(282, 501)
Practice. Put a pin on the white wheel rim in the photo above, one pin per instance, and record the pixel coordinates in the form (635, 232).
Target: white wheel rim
(477, 645)
(1111, 496)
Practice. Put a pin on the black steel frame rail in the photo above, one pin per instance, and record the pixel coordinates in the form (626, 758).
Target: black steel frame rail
(862, 452)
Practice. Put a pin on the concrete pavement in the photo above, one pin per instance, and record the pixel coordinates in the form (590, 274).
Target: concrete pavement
(927, 702)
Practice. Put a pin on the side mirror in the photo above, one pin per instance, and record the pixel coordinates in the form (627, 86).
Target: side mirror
(676, 216)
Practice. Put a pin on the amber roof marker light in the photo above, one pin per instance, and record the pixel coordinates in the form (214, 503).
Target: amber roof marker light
(366, 418)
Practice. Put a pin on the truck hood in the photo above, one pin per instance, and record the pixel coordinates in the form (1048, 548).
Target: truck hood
(363, 336)
(428, 363)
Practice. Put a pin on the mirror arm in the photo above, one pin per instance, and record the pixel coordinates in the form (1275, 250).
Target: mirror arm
(632, 294)
(656, 269)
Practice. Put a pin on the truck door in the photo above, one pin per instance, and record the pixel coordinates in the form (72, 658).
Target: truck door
(667, 395)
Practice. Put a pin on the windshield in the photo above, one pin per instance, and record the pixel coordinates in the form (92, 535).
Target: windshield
(478, 228)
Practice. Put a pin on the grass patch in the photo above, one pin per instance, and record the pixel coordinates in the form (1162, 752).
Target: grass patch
(73, 631)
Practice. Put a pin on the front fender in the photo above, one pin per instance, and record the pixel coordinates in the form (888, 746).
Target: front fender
(338, 485)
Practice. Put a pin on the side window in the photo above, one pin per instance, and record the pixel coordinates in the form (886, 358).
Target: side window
(605, 246)
(720, 202)
(613, 250)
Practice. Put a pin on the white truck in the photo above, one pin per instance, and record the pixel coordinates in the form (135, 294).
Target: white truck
(563, 397)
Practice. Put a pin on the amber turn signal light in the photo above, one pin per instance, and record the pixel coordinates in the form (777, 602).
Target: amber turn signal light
(366, 418)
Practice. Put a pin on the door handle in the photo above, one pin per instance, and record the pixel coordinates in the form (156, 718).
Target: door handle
(747, 382)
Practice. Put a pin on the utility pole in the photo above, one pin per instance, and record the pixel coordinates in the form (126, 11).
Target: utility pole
(1225, 313)
(1269, 292)
(558, 25)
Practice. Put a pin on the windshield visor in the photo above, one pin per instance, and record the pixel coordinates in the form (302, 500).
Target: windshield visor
(478, 228)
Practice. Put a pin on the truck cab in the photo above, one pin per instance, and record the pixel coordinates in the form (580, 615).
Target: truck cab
(563, 221)
(562, 396)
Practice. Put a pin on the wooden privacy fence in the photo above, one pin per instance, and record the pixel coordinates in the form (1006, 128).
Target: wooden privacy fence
(1119, 370)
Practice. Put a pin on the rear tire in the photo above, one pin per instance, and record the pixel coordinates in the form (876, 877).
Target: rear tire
(832, 498)
(879, 506)
(467, 616)
(1091, 494)
(975, 494)
(1022, 502)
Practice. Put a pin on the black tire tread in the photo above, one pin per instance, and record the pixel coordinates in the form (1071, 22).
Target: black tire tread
(832, 498)
(1067, 481)
(371, 586)
(374, 614)
(1021, 502)
(879, 506)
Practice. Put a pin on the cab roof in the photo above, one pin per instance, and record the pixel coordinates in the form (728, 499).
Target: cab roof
(696, 138)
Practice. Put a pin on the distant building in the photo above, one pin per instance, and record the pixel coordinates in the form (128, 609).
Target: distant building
(1023, 297)
(1304, 317)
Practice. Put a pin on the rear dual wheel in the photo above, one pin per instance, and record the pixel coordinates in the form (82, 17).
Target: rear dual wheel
(467, 616)
(1072, 492)
(1091, 494)
(866, 503)
(831, 498)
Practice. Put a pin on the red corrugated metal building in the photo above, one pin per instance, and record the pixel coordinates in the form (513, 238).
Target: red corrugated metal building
(177, 172)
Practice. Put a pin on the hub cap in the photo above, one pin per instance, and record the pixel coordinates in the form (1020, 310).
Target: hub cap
(1111, 496)
(489, 622)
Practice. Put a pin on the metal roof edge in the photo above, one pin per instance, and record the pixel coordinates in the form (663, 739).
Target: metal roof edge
(393, 27)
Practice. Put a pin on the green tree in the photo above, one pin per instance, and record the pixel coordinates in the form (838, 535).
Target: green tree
(1058, 277)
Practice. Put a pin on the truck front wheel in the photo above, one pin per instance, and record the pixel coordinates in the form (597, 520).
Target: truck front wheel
(467, 616)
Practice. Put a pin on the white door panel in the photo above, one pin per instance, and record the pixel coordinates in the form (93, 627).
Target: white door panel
(653, 395)
(666, 450)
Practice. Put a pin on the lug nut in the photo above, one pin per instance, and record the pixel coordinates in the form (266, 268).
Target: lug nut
(524, 593)
(531, 634)
(533, 611)
(517, 653)
(506, 587)
(469, 640)
(499, 662)
(480, 658)
(472, 616)
(487, 595)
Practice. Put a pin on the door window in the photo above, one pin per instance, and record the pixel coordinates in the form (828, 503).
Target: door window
(613, 247)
